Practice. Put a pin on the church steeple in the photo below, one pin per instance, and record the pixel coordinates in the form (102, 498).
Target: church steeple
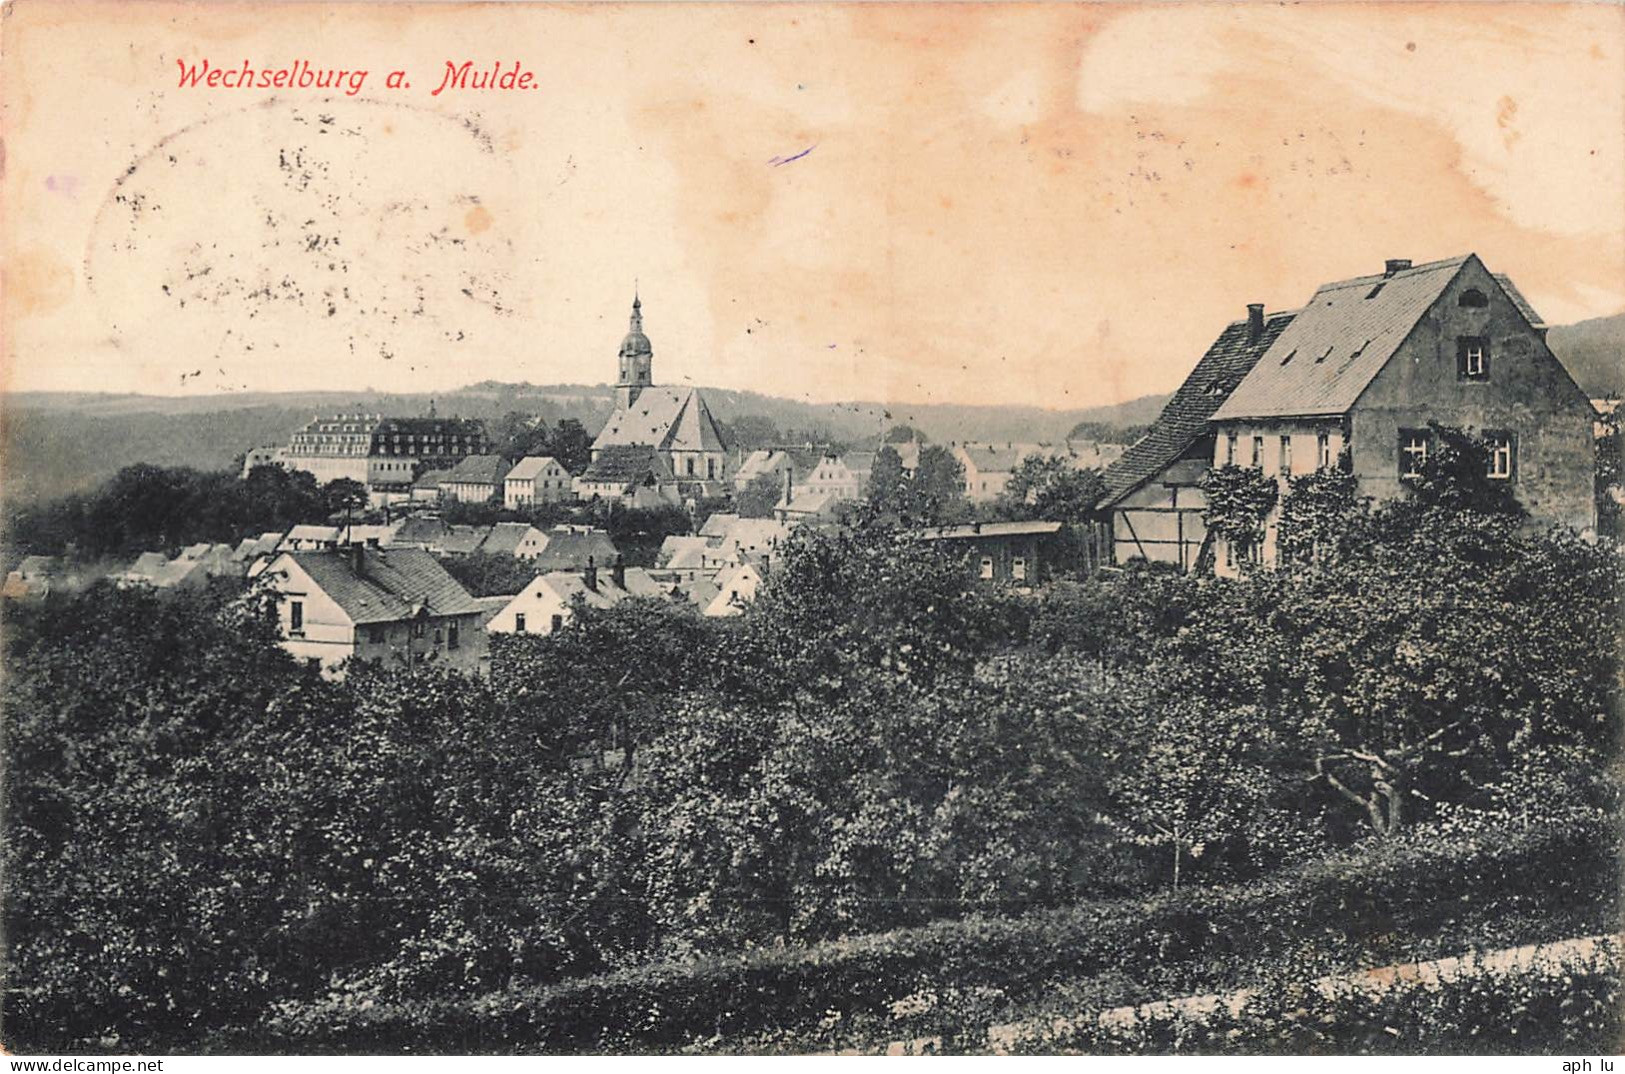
(636, 359)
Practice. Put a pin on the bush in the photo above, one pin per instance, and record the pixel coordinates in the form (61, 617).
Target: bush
(1415, 882)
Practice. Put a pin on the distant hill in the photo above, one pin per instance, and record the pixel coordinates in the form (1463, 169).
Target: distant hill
(54, 443)
(1594, 352)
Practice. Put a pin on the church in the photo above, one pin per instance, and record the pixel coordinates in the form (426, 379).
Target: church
(660, 444)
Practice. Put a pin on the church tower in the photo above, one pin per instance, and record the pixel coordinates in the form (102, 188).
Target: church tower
(637, 359)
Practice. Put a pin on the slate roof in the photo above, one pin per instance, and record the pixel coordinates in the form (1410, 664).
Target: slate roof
(529, 468)
(1518, 300)
(478, 470)
(420, 530)
(1185, 417)
(462, 540)
(504, 538)
(430, 479)
(1338, 342)
(671, 419)
(568, 550)
(393, 584)
(717, 524)
(625, 463)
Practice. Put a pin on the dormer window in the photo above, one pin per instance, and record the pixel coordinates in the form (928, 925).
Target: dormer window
(1472, 358)
(1472, 299)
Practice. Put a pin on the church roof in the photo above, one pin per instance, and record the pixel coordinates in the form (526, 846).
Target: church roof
(665, 418)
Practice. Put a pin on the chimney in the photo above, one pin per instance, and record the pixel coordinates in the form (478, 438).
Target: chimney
(789, 487)
(1255, 321)
(618, 573)
(590, 576)
(1395, 264)
(358, 560)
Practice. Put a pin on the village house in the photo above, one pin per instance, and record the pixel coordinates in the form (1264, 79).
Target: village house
(536, 479)
(426, 489)
(690, 451)
(1359, 373)
(1015, 554)
(394, 606)
(574, 548)
(549, 601)
(735, 590)
(518, 539)
(772, 461)
(1153, 503)
(635, 475)
(477, 479)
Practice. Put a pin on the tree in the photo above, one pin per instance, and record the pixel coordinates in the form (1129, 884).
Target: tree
(902, 434)
(936, 489)
(1456, 476)
(519, 435)
(1051, 488)
(887, 494)
(759, 496)
(750, 432)
(342, 496)
(570, 445)
(1317, 513)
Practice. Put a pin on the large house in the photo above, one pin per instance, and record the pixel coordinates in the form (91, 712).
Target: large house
(675, 425)
(1153, 501)
(535, 479)
(379, 451)
(393, 605)
(1370, 362)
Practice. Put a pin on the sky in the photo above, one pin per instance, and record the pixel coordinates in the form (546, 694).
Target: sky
(1054, 205)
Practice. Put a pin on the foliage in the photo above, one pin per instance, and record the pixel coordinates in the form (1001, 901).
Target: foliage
(1051, 488)
(1455, 476)
(1238, 500)
(752, 432)
(1316, 513)
(486, 575)
(571, 445)
(153, 507)
(932, 494)
(902, 434)
(1357, 901)
(759, 496)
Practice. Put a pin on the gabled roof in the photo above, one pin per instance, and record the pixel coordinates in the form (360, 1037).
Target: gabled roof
(1185, 416)
(393, 584)
(504, 538)
(753, 536)
(463, 540)
(760, 461)
(624, 464)
(681, 551)
(430, 479)
(717, 524)
(420, 530)
(478, 470)
(568, 550)
(1338, 342)
(529, 468)
(671, 419)
(805, 501)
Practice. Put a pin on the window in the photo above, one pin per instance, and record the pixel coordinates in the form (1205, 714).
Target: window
(1230, 450)
(377, 635)
(987, 567)
(710, 469)
(1472, 358)
(1323, 451)
(1018, 568)
(519, 622)
(1258, 453)
(1286, 454)
(691, 466)
(1503, 455)
(418, 629)
(1472, 299)
(296, 616)
(1413, 451)
(558, 621)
